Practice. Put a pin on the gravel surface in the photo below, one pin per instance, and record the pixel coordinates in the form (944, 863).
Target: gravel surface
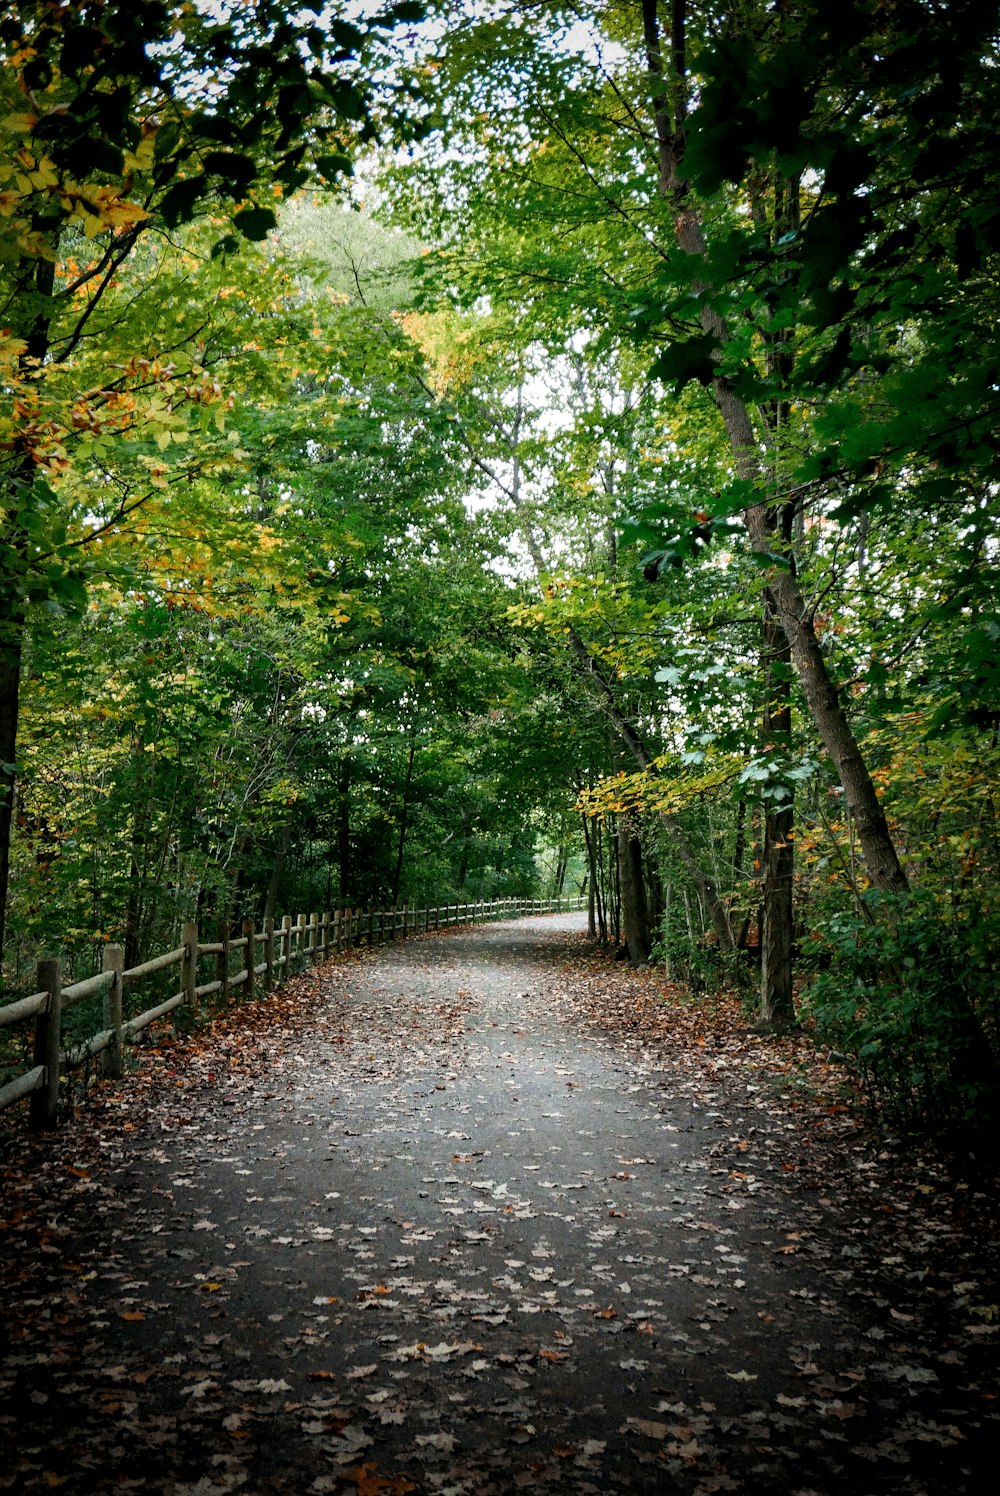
(457, 1238)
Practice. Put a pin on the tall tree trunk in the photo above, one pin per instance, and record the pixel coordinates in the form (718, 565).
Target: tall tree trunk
(138, 845)
(404, 816)
(739, 855)
(603, 917)
(277, 866)
(463, 865)
(11, 643)
(344, 831)
(655, 892)
(592, 891)
(616, 884)
(31, 316)
(777, 1008)
(562, 858)
(635, 916)
(136, 882)
(822, 699)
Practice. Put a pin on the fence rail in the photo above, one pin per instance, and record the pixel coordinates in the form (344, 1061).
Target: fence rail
(284, 948)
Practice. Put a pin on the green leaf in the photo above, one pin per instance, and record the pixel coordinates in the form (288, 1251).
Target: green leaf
(682, 362)
(770, 559)
(333, 165)
(167, 139)
(255, 223)
(178, 206)
(233, 167)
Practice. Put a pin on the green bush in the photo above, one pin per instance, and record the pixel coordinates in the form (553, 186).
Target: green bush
(699, 963)
(907, 988)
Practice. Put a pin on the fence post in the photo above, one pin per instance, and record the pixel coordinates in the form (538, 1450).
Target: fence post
(325, 935)
(250, 936)
(314, 938)
(44, 1103)
(286, 947)
(113, 960)
(268, 954)
(337, 932)
(189, 966)
(222, 963)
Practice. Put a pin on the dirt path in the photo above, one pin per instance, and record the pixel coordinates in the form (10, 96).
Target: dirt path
(456, 1238)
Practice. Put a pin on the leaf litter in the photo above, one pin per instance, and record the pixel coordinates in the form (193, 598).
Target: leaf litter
(264, 1267)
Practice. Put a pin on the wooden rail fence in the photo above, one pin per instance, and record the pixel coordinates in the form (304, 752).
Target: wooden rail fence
(283, 949)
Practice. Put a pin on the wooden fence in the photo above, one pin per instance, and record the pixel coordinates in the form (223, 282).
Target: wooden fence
(282, 950)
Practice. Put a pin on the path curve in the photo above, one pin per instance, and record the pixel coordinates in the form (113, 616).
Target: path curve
(456, 1240)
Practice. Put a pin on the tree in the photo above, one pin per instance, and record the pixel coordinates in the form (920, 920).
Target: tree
(122, 122)
(781, 142)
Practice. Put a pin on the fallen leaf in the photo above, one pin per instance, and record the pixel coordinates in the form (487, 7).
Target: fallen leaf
(369, 1483)
(647, 1426)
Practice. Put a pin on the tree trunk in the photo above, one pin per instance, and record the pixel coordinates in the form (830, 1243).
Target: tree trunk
(635, 915)
(592, 892)
(277, 866)
(138, 848)
(404, 817)
(11, 641)
(30, 315)
(777, 1008)
(739, 857)
(136, 882)
(344, 830)
(616, 887)
(463, 866)
(603, 923)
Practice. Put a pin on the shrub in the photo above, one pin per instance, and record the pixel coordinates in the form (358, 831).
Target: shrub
(907, 988)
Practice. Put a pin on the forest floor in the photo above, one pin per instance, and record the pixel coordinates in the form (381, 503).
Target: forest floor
(488, 1213)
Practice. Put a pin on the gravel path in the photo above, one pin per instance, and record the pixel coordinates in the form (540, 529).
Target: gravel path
(454, 1241)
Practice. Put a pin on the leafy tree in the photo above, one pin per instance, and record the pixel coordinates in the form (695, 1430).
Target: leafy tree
(121, 122)
(773, 254)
